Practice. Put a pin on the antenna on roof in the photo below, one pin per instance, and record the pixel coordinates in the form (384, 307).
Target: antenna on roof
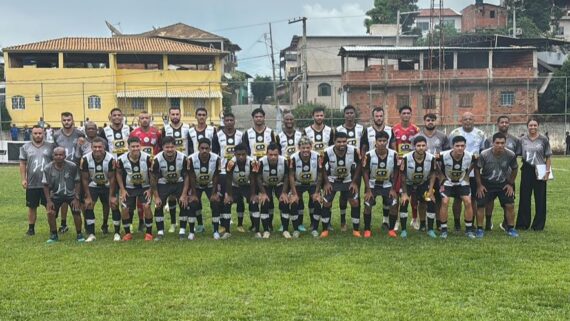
(114, 31)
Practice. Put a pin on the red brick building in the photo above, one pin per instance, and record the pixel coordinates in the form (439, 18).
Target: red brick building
(485, 81)
(483, 16)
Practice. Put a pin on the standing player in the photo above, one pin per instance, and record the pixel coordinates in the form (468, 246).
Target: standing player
(97, 174)
(342, 174)
(133, 178)
(379, 168)
(455, 166)
(273, 179)
(354, 132)
(61, 186)
(34, 155)
(201, 130)
(204, 169)
(168, 173)
(418, 176)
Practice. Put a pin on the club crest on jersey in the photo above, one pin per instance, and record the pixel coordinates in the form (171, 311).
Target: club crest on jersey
(230, 141)
(382, 164)
(351, 134)
(404, 137)
(117, 135)
(203, 169)
(457, 166)
(177, 134)
(98, 167)
(318, 137)
(290, 142)
(171, 167)
(146, 139)
(136, 169)
(259, 138)
(306, 167)
(273, 172)
(341, 163)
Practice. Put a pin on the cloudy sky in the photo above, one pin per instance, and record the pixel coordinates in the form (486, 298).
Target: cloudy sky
(244, 22)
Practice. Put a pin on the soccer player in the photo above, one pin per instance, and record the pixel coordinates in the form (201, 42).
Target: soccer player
(475, 144)
(273, 179)
(495, 173)
(181, 134)
(223, 145)
(305, 175)
(455, 165)
(97, 174)
(379, 168)
(34, 155)
(354, 132)
(168, 173)
(368, 140)
(133, 178)
(67, 137)
(418, 177)
(61, 186)
(240, 183)
(342, 174)
(201, 130)
(204, 169)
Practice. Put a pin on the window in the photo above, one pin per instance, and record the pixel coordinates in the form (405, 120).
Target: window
(465, 100)
(18, 102)
(200, 103)
(507, 98)
(174, 102)
(423, 26)
(137, 103)
(402, 100)
(492, 14)
(94, 102)
(428, 101)
(324, 89)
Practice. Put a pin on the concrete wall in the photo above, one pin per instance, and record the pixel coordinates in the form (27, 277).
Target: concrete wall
(478, 17)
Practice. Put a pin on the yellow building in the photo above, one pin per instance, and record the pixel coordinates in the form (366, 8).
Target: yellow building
(90, 76)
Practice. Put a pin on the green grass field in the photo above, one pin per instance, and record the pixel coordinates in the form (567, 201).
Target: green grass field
(340, 278)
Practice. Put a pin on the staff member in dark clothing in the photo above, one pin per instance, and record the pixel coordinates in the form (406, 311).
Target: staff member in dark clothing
(536, 153)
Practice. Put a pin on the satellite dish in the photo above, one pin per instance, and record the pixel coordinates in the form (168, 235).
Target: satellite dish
(227, 75)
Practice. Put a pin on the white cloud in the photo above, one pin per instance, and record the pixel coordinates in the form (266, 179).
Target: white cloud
(348, 20)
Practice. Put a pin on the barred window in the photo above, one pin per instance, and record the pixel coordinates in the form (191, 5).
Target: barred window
(324, 89)
(94, 102)
(465, 100)
(428, 101)
(507, 98)
(137, 103)
(18, 102)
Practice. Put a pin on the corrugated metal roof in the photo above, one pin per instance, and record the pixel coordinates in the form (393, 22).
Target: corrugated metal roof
(445, 12)
(173, 93)
(355, 51)
(114, 45)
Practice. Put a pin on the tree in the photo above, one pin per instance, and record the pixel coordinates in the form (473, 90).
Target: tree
(261, 88)
(449, 32)
(385, 11)
(304, 115)
(6, 119)
(535, 17)
(554, 98)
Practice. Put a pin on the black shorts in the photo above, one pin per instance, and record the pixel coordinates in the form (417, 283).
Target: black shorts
(473, 186)
(99, 193)
(380, 191)
(134, 195)
(241, 191)
(344, 190)
(494, 191)
(35, 197)
(166, 190)
(456, 191)
(59, 202)
(418, 191)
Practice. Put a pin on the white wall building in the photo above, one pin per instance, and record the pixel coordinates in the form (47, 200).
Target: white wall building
(426, 21)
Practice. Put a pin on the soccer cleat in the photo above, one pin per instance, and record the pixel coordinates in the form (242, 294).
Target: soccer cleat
(266, 234)
(367, 234)
(90, 238)
(63, 229)
(422, 229)
(397, 226)
(356, 234)
(392, 234)
(172, 228)
(384, 227)
(503, 226)
(191, 236)
(148, 237)
(158, 237)
(52, 239)
(431, 234)
(117, 237)
(512, 232)
(216, 236)
(280, 228)
(141, 228)
(241, 229)
(258, 235)
(443, 235)
(181, 236)
(331, 228)
(251, 229)
(80, 238)
(287, 235)
(404, 234)
(470, 235)
(480, 233)
(226, 236)
(315, 233)
(200, 229)
(415, 224)
(105, 229)
(343, 227)
(324, 234)
(127, 237)
(30, 232)
(302, 228)
(296, 234)
(458, 227)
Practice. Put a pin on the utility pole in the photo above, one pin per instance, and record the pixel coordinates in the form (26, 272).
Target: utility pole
(273, 65)
(304, 56)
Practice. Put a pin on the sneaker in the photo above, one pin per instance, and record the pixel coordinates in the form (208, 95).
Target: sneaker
(128, 237)
(404, 234)
(457, 227)
(30, 232)
(159, 237)
(258, 235)
(216, 236)
(302, 228)
(280, 229)
(226, 236)
(287, 235)
(296, 234)
(63, 229)
(315, 233)
(331, 228)
(392, 234)
(324, 234)
(148, 237)
(443, 235)
(117, 237)
(221, 230)
(480, 233)
(513, 233)
(367, 234)
(200, 229)
(431, 234)
(80, 238)
(266, 234)
(397, 226)
(422, 229)
(90, 238)
(52, 239)
(384, 227)
(343, 227)
(240, 229)
(415, 224)
(470, 235)
(172, 228)
(141, 228)
(356, 234)
(105, 229)
(251, 229)
(181, 236)
(503, 226)
(191, 236)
